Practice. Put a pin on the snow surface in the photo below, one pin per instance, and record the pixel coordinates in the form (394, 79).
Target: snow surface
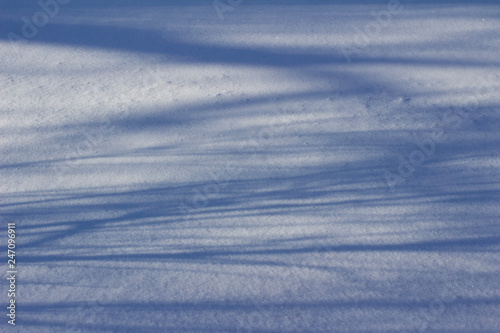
(170, 169)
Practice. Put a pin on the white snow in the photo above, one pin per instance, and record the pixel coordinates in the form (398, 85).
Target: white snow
(169, 171)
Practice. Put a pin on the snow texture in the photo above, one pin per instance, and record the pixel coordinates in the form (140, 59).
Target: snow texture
(251, 166)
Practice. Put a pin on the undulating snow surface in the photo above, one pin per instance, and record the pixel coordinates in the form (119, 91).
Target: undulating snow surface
(251, 166)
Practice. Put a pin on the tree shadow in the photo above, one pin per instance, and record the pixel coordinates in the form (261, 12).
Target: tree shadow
(296, 219)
